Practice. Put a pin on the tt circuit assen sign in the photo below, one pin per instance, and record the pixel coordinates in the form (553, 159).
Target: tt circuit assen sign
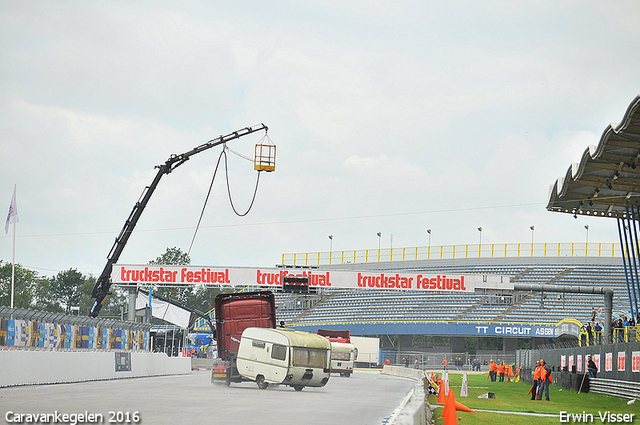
(273, 277)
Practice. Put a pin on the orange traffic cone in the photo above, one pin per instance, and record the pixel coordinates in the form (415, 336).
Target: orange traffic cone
(461, 407)
(450, 415)
(447, 406)
(441, 395)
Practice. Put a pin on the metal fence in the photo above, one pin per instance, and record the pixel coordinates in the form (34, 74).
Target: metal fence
(435, 361)
(453, 251)
(620, 362)
(35, 329)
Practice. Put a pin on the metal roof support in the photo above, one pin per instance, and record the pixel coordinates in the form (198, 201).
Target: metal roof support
(636, 222)
(624, 248)
(633, 237)
(607, 292)
(630, 275)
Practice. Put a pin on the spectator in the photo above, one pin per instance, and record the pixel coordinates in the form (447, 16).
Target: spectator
(583, 335)
(589, 334)
(415, 363)
(406, 362)
(545, 380)
(536, 381)
(591, 367)
(501, 370)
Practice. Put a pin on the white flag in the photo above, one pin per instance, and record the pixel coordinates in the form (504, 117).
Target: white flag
(12, 217)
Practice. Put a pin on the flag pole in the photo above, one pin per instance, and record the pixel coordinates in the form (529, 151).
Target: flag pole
(13, 264)
(13, 259)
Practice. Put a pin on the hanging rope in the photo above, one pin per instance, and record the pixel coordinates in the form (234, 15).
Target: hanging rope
(205, 201)
(229, 190)
(226, 169)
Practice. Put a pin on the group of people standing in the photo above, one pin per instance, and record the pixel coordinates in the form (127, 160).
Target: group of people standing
(496, 369)
(541, 381)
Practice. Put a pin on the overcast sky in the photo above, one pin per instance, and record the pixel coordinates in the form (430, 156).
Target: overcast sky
(391, 117)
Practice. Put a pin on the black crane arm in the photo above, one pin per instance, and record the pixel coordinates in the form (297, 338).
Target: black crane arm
(101, 288)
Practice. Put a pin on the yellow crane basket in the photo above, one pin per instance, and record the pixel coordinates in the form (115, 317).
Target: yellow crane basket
(265, 157)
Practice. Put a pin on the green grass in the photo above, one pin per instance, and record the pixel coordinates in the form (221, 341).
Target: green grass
(512, 396)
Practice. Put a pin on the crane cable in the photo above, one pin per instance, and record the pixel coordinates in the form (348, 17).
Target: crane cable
(255, 191)
(215, 172)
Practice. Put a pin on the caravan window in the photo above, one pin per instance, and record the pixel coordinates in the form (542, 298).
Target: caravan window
(278, 352)
(309, 357)
(338, 355)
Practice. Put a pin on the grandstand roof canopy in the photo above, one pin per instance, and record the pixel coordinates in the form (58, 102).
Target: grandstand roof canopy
(607, 180)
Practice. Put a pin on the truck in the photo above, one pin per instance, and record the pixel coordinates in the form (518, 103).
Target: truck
(234, 313)
(284, 356)
(343, 352)
(198, 344)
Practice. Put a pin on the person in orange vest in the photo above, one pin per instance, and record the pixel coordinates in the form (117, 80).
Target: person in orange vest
(501, 370)
(536, 379)
(545, 380)
(445, 363)
(492, 370)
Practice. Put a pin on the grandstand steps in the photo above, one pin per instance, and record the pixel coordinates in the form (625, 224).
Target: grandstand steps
(513, 306)
(325, 297)
(465, 312)
(561, 275)
(522, 273)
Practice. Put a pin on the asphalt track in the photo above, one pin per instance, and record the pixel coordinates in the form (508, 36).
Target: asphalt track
(364, 398)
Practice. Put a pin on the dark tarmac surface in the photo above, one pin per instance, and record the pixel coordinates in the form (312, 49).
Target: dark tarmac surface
(365, 398)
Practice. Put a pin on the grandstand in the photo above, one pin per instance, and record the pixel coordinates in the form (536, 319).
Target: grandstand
(380, 310)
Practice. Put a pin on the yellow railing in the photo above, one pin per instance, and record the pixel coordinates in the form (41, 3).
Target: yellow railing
(573, 249)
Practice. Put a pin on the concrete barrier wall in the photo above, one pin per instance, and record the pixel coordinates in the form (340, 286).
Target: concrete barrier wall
(31, 367)
(416, 411)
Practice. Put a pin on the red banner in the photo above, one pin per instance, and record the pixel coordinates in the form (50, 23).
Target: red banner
(273, 277)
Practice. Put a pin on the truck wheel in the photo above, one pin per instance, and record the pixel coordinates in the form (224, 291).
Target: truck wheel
(227, 380)
(261, 382)
(298, 387)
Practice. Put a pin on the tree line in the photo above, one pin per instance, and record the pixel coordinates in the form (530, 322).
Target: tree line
(70, 288)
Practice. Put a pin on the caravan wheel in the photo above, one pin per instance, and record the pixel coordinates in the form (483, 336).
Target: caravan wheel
(262, 384)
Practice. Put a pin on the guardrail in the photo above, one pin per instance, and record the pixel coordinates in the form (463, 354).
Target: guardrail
(414, 409)
(615, 388)
(502, 250)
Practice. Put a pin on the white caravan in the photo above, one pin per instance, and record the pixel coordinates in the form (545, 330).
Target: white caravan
(343, 357)
(283, 356)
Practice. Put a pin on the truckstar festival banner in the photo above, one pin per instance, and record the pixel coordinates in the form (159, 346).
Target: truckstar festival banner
(275, 277)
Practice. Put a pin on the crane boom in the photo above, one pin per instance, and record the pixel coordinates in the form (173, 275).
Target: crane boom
(101, 288)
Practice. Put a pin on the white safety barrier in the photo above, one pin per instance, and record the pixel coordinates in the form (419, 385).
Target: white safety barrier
(416, 410)
(32, 367)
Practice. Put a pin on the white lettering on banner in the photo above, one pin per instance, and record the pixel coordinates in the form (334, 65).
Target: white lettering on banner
(511, 330)
(274, 277)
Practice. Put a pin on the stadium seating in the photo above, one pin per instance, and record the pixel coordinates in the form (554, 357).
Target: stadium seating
(335, 305)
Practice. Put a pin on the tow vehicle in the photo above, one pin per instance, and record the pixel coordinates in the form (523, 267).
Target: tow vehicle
(234, 313)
